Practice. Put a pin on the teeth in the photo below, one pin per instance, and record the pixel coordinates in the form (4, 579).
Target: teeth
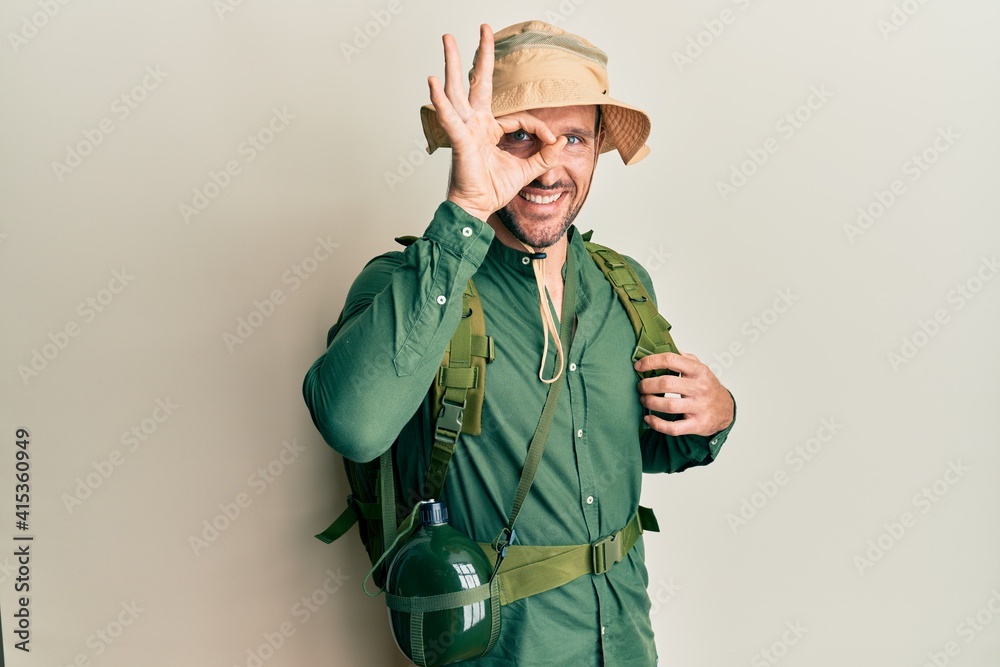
(540, 200)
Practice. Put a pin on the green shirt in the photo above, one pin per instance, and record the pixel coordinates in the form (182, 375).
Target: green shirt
(372, 384)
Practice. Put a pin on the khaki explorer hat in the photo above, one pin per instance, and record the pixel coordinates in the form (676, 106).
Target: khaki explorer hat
(537, 66)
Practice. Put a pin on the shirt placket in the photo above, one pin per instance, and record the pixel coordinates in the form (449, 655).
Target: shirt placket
(590, 496)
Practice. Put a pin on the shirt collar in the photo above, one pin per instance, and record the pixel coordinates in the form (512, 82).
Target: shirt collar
(515, 259)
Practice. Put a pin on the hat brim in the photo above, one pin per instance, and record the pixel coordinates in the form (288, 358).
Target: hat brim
(626, 127)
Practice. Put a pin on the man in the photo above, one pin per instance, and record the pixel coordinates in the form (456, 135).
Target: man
(525, 142)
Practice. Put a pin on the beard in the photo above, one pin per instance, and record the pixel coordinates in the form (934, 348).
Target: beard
(540, 232)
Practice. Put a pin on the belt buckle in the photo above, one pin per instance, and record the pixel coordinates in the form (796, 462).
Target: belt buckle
(605, 552)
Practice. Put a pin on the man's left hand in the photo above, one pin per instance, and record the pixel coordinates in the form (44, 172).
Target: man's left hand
(706, 406)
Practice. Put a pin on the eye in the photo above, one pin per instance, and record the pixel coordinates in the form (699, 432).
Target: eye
(519, 135)
(573, 139)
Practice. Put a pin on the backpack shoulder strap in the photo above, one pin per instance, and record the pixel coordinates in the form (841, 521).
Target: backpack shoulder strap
(460, 386)
(652, 331)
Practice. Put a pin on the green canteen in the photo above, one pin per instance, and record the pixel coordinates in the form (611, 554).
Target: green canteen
(438, 559)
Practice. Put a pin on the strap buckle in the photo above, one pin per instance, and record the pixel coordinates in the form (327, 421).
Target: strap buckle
(449, 422)
(606, 551)
(609, 258)
(500, 545)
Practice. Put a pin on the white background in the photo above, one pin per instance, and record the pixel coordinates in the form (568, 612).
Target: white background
(347, 168)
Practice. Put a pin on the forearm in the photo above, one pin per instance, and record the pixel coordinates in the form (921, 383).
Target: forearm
(398, 319)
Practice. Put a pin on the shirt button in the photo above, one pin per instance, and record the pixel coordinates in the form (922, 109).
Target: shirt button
(579, 432)
(525, 260)
(590, 500)
(572, 367)
(602, 630)
(466, 231)
(441, 299)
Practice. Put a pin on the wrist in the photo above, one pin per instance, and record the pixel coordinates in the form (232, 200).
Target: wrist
(468, 208)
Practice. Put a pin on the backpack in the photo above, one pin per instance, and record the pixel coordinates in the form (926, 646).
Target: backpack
(457, 400)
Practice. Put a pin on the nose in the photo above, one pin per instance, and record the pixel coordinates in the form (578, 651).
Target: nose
(549, 178)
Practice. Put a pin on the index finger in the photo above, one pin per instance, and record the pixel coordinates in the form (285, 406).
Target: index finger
(668, 360)
(481, 83)
(530, 124)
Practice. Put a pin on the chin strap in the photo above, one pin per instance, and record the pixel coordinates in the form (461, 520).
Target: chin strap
(549, 326)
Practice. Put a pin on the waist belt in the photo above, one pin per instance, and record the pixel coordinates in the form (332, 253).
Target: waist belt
(529, 570)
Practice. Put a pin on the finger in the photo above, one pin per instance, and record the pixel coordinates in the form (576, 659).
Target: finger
(680, 427)
(481, 86)
(668, 404)
(690, 356)
(667, 384)
(544, 160)
(447, 116)
(523, 120)
(454, 85)
(669, 360)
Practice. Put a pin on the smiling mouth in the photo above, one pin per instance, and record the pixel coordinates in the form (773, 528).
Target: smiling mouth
(537, 199)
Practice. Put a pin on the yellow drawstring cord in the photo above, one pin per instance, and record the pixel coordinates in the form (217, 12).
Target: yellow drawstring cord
(548, 323)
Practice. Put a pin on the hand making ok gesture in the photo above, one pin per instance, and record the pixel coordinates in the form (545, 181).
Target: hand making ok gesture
(484, 178)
